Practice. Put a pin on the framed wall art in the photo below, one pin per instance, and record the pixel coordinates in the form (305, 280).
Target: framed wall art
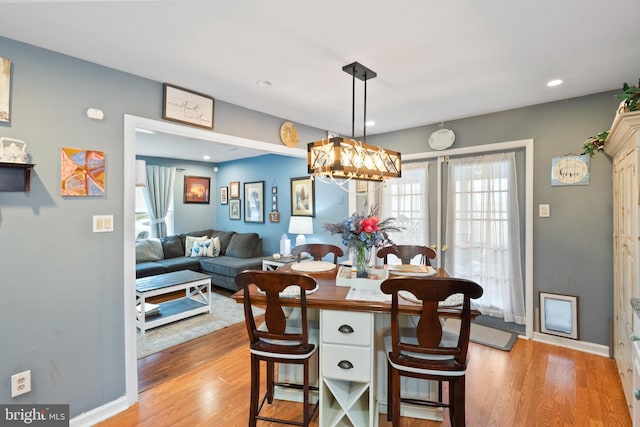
(196, 189)
(234, 209)
(254, 201)
(188, 107)
(570, 170)
(224, 195)
(303, 196)
(82, 172)
(5, 87)
(234, 190)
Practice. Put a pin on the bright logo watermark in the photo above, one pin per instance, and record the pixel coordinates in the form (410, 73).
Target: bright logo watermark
(34, 415)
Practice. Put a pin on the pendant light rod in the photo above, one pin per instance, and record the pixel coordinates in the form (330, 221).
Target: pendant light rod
(363, 73)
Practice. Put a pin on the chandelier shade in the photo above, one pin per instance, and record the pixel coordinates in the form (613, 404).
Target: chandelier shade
(345, 159)
(342, 158)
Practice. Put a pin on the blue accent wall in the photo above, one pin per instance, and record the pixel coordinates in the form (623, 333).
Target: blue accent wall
(331, 202)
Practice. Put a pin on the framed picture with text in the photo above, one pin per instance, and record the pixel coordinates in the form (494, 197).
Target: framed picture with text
(224, 195)
(188, 107)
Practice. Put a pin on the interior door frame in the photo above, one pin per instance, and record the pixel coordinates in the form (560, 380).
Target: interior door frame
(131, 124)
(527, 144)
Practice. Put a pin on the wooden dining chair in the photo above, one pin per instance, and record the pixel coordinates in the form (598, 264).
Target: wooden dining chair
(280, 339)
(425, 352)
(318, 251)
(407, 252)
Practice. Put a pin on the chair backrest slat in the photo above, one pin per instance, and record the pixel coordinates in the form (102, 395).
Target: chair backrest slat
(318, 251)
(431, 291)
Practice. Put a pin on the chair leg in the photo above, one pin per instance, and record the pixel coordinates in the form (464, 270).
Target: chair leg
(305, 394)
(270, 377)
(255, 390)
(389, 402)
(395, 400)
(457, 402)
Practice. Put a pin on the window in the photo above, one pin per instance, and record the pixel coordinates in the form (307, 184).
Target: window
(143, 221)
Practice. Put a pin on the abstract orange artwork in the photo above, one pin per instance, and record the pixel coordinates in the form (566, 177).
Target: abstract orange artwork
(82, 172)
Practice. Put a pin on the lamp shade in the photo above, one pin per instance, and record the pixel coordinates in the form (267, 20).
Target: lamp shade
(300, 225)
(141, 173)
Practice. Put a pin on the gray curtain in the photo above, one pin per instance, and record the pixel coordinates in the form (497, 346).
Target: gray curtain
(158, 194)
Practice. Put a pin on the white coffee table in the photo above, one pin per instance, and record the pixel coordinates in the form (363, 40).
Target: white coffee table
(194, 302)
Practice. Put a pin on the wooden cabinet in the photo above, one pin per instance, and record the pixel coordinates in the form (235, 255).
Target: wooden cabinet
(347, 392)
(623, 145)
(15, 176)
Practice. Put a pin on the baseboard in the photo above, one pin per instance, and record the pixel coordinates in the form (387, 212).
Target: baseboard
(587, 347)
(100, 413)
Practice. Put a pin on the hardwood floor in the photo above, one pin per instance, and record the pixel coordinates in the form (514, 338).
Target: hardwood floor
(205, 382)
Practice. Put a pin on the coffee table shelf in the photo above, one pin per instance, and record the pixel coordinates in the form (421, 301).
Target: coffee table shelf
(195, 301)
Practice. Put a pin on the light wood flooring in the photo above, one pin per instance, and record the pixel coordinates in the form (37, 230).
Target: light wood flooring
(205, 382)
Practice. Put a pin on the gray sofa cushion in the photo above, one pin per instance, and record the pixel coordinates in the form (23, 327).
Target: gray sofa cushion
(148, 250)
(145, 269)
(172, 247)
(242, 245)
(229, 266)
(225, 238)
(180, 263)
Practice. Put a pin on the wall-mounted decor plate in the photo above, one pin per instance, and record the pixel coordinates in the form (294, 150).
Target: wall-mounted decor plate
(289, 134)
(442, 139)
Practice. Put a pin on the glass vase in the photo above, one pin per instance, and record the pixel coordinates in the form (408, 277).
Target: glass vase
(362, 257)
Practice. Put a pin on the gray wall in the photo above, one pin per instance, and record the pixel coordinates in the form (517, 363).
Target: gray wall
(61, 304)
(573, 248)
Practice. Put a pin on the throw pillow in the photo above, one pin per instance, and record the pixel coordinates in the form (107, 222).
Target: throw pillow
(172, 247)
(148, 250)
(189, 241)
(208, 248)
(242, 245)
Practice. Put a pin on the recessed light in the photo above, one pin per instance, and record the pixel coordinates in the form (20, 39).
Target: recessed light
(370, 123)
(264, 83)
(206, 157)
(552, 83)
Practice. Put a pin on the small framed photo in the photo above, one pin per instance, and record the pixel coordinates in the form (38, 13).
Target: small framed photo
(234, 209)
(196, 189)
(254, 201)
(303, 196)
(234, 190)
(224, 195)
(188, 107)
(559, 315)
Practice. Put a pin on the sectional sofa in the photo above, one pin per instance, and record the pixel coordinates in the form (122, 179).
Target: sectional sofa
(219, 254)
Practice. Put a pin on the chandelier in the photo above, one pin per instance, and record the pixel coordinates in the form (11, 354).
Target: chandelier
(346, 159)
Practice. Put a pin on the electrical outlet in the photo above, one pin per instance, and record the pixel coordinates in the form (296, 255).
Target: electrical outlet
(20, 383)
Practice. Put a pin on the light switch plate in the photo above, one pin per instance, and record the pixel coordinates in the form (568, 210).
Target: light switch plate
(102, 223)
(544, 211)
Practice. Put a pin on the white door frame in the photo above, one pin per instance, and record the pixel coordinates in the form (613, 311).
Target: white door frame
(131, 123)
(527, 144)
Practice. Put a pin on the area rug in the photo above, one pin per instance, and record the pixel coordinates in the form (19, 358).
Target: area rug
(225, 312)
(485, 335)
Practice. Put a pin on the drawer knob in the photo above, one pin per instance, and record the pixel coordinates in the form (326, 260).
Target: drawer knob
(345, 364)
(636, 394)
(633, 338)
(345, 329)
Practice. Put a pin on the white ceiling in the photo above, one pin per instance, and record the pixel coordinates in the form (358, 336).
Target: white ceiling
(436, 61)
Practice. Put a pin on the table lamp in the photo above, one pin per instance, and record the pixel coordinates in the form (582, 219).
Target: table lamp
(301, 225)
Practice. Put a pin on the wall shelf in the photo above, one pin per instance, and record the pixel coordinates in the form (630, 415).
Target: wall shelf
(15, 176)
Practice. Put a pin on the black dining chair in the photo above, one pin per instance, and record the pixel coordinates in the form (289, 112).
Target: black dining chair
(426, 352)
(407, 252)
(280, 339)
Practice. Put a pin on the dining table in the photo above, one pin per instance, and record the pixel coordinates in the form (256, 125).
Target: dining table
(352, 363)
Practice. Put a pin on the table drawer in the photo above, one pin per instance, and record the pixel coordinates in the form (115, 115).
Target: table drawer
(346, 363)
(345, 327)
